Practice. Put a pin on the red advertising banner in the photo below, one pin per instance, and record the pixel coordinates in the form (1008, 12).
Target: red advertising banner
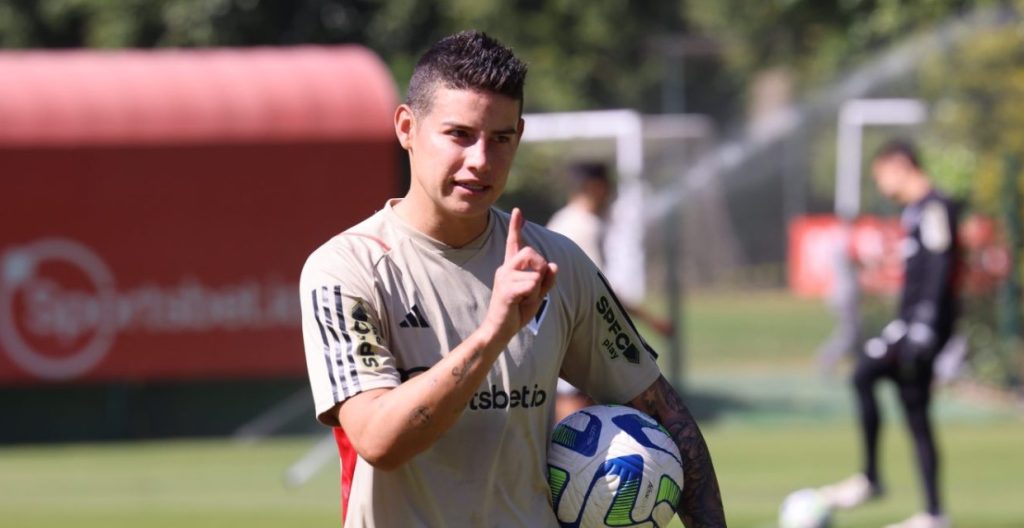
(180, 259)
(873, 247)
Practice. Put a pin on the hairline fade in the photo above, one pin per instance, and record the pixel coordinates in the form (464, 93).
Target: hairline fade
(468, 60)
(899, 147)
(582, 173)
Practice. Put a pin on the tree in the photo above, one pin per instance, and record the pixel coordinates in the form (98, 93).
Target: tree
(582, 54)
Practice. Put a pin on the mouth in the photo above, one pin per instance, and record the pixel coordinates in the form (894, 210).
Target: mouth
(472, 187)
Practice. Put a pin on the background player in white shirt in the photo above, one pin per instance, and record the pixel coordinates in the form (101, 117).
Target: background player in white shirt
(436, 329)
(583, 220)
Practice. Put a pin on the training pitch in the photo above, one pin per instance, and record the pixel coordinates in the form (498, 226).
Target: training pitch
(772, 423)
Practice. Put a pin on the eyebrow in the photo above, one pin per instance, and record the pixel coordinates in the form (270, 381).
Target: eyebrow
(456, 124)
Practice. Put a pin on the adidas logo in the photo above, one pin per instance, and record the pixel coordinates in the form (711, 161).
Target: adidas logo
(414, 319)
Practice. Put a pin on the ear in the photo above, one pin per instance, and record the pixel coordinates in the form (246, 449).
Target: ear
(405, 125)
(521, 127)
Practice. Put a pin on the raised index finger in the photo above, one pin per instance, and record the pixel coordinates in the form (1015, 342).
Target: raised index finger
(515, 233)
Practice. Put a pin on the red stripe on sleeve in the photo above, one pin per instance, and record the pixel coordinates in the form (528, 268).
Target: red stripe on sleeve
(347, 454)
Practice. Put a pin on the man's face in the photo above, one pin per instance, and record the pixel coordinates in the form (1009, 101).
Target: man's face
(891, 175)
(601, 192)
(460, 150)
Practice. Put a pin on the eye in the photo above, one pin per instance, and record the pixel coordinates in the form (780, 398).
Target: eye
(458, 133)
(503, 138)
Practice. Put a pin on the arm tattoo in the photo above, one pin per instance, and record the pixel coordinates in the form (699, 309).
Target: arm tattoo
(701, 504)
(420, 417)
(459, 371)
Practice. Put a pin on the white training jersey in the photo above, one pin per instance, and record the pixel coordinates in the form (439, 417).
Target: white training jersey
(583, 227)
(383, 302)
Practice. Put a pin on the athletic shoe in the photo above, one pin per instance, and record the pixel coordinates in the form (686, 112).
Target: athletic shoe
(850, 492)
(923, 520)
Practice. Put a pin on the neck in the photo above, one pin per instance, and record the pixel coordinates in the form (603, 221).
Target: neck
(586, 204)
(451, 230)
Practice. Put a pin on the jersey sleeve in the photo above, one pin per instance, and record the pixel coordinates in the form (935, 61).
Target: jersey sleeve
(342, 331)
(938, 224)
(606, 356)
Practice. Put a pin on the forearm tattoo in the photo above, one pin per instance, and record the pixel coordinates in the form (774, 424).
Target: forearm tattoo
(459, 371)
(701, 504)
(420, 417)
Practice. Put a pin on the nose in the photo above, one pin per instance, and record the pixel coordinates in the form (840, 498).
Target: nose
(477, 158)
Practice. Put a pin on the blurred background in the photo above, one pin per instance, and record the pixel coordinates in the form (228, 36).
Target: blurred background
(167, 165)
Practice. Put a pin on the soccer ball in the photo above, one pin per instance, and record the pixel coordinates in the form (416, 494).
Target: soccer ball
(805, 508)
(610, 465)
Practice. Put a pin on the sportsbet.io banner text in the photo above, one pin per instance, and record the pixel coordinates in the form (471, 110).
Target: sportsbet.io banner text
(154, 223)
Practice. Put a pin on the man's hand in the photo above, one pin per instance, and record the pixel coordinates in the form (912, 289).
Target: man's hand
(520, 284)
(882, 348)
(911, 347)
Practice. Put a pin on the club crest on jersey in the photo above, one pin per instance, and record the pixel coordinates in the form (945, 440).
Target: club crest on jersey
(360, 318)
(534, 324)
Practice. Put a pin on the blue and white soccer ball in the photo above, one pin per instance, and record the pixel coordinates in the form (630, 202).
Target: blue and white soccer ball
(805, 508)
(611, 465)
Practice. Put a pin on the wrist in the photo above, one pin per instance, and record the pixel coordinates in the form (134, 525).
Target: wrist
(490, 338)
(921, 334)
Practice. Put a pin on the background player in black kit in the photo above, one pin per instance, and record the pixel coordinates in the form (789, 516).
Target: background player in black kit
(906, 349)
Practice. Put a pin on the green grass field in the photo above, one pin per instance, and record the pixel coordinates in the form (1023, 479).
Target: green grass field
(772, 424)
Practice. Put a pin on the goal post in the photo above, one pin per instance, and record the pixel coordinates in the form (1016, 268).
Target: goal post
(625, 265)
(854, 116)
(640, 246)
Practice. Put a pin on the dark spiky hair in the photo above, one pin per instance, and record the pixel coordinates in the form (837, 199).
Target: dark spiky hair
(581, 172)
(899, 147)
(468, 60)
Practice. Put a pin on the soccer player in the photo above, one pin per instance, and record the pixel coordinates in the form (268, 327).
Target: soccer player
(906, 350)
(582, 220)
(435, 330)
